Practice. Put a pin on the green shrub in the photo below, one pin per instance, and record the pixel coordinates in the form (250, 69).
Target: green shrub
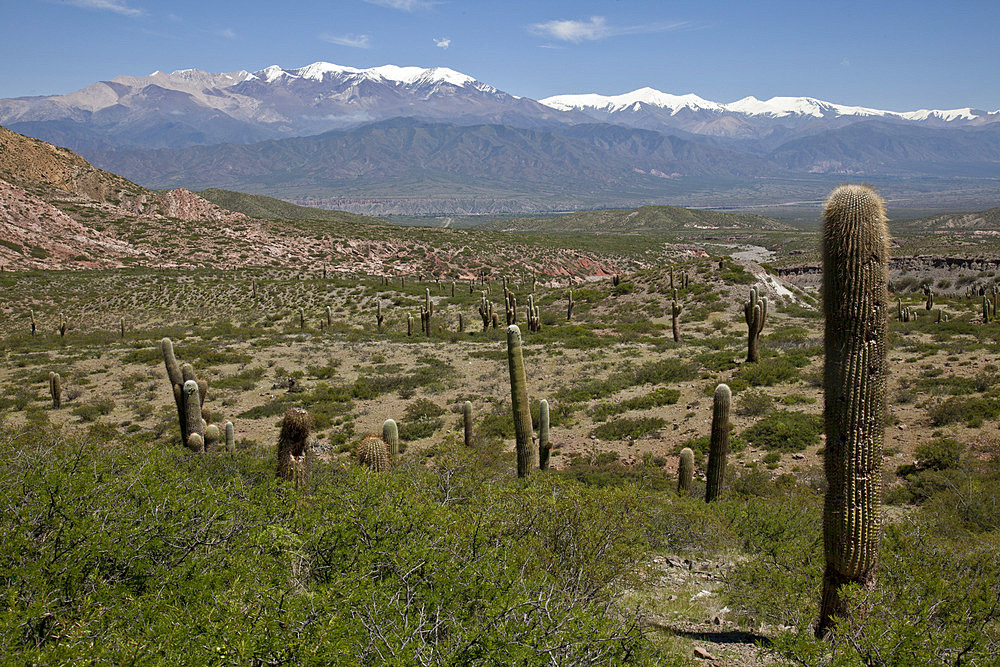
(627, 427)
(785, 431)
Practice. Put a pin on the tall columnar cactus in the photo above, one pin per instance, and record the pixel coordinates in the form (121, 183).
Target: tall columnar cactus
(467, 423)
(293, 446)
(179, 376)
(685, 472)
(409, 325)
(675, 311)
(755, 312)
(527, 455)
(899, 308)
(544, 446)
(929, 293)
(176, 382)
(485, 310)
(122, 323)
(62, 325)
(425, 321)
(193, 424)
(510, 304)
(32, 322)
(302, 319)
(569, 307)
(55, 389)
(379, 317)
(390, 435)
(428, 304)
(718, 450)
(253, 289)
(855, 303)
(671, 277)
(329, 317)
(373, 453)
(986, 310)
(230, 437)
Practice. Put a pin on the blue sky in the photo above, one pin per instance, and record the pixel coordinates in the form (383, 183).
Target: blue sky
(888, 55)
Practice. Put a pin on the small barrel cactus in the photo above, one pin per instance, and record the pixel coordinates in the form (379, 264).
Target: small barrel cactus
(212, 437)
(293, 446)
(230, 437)
(718, 450)
(373, 453)
(685, 472)
(390, 435)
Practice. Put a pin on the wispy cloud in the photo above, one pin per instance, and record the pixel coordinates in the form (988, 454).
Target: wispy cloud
(442, 43)
(356, 41)
(404, 5)
(228, 33)
(116, 6)
(596, 28)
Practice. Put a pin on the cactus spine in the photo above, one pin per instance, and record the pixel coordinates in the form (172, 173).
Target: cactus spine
(755, 312)
(718, 450)
(373, 453)
(230, 437)
(527, 456)
(685, 472)
(390, 435)
(855, 301)
(467, 422)
(675, 311)
(544, 446)
(293, 446)
(55, 388)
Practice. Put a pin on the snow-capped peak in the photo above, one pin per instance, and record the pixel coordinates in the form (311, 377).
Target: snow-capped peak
(634, 100)
(318, 71)
(780, 107)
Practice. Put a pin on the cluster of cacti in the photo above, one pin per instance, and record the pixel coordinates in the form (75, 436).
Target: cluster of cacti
(718, 450)
(534, 318)
(685, 280)
(569, 306)
(929, 293)
(527, 455)
(544, 446)
(425, 321)
(390, 435)
(293, 447)
(373, 453)
(510, 303)
(675, 311)
(942, 316)
(189, 395)
(755, 313)
(685, 472)
(907, 314)
(616, 280)
(467, 423)
(485, 310)
(855, 303)
(55, 389)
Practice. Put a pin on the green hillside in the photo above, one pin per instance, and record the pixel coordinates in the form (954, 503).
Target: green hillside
(645, 219)
(258, 206)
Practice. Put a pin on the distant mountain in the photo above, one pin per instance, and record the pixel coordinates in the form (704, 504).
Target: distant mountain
(880, 148)
(409, 157)
(191, 107)
(748, 117)
(644, 220)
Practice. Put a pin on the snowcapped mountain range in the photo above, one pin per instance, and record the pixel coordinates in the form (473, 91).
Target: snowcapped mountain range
(192, 107)
(776, 107)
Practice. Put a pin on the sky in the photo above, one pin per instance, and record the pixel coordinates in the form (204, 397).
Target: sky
(897, 55)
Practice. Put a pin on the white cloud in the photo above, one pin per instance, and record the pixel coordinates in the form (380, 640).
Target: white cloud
(442, 43)
(596, 28)
(356, 41)
(228, 33)
(404, 5)
(116, 6)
